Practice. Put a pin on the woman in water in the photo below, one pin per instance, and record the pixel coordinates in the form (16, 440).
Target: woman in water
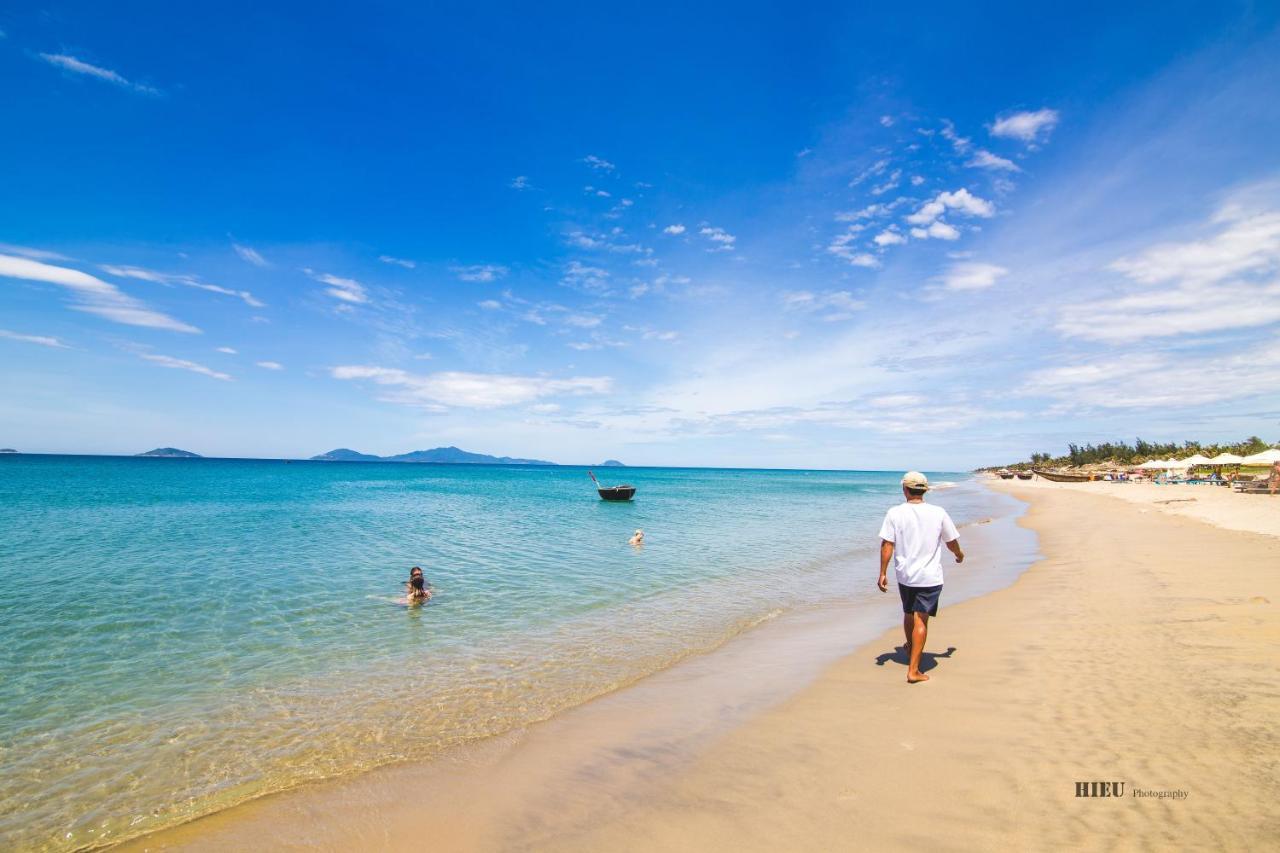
(416, 587)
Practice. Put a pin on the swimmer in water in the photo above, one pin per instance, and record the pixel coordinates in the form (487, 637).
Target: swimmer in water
(637, 538)
(416, 588)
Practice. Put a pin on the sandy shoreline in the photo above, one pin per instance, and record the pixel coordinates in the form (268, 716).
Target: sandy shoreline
(1138, 651)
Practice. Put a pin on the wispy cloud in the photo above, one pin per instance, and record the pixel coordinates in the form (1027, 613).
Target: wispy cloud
(179, 279)
(961, 200)
(346, 290)
(399, 262)
(520, 182)
(723, 240)
(1228, 280)
(831, 305)
(674, 230)
(93, 295)
(77, 66)
(183, 364)
(984, 159)
(598, 163)
(41, 340)
(1026, 126)
(1145, 380)
(580, 276)
(228, 351)
(270, 365)
(28, 252)
(250, 255)
(480, 272)
(972, 276)
(469, 390)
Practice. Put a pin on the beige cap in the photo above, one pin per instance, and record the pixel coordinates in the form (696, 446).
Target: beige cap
(915, 480)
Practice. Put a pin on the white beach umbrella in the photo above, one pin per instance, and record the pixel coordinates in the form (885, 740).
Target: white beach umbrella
(1226, 459)
(1266, 457)
(1177, 463)
(1154, 463)
(1198, 459)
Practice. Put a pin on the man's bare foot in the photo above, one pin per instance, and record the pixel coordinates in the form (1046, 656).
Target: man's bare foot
(916, 678)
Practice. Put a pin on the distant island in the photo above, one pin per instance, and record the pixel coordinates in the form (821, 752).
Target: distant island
(7, 450)
(437, 455)
(612, 463)
(170, 453)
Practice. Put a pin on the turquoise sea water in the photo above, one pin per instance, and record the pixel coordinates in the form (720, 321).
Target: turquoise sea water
(180, 635)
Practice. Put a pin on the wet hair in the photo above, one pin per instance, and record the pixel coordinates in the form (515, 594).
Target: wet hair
(418, 583)
(415, 569)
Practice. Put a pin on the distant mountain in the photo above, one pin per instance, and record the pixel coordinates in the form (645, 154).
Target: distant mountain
(438, 455)
(612, 463)
(342, 454)
(170, 453)
(7, 450)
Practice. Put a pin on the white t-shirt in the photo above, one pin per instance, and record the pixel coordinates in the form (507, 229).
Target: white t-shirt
(918, 532)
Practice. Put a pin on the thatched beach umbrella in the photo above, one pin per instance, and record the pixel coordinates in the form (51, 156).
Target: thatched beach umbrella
(1266, 457)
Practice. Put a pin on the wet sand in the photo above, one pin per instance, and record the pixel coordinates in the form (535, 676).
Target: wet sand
(1139, 650)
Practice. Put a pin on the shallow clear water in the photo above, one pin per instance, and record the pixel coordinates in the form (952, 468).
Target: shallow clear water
(180, 635)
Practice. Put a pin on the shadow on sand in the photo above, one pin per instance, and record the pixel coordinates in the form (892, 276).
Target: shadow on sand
(928, 660)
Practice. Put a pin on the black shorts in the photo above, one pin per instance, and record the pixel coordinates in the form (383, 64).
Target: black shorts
(920, 599)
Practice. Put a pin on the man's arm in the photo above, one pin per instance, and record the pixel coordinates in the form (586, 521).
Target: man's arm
(886, 554)
(954, 547)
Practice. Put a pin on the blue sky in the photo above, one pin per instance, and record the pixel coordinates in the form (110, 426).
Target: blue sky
(752, 235)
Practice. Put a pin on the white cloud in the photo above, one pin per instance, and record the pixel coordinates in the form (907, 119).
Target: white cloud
(179, 279)
(250, 255)
(1230, 280)
(470, 390)
(27, 252)
(400, 262)
(1147, 380)
(871, 211)
(962, 201)
(183, 364)
(959, 143)
(1250, 243)
(894, 179)
(41, 340)
(876, 168)
(490, 304)
(655, 335)
(587, 278)
(842, 246)
(972, 276)
(938, 230)
(674, 230)
(228, 351)
(1026, 126)
(520, 182)
(916, 180)
(76, 66)
(347, 290)
(480, 272)
(582, 321)
(598, 163)
(984, 159)
(93, 295)
(270, 365)
(886, 121)
(889, 237)
(832, 305)
(723, 239)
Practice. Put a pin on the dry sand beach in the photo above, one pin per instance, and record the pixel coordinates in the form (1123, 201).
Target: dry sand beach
(1140, 650)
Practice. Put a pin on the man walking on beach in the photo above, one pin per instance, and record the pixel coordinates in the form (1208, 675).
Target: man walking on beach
(912, 536)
